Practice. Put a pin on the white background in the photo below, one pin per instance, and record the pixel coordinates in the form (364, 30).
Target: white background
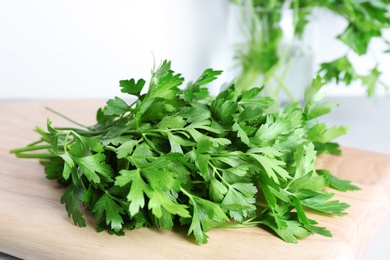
(81, 49)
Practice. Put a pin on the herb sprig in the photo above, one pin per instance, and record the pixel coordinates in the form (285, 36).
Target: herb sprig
(267, 55)
(178, 156)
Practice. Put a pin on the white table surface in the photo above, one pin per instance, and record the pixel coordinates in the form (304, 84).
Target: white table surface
(369, 129)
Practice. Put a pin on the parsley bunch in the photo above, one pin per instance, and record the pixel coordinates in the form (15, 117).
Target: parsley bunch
(264, 51)
(178, 156)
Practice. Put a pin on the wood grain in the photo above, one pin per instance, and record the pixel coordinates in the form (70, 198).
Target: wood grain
(34, 225)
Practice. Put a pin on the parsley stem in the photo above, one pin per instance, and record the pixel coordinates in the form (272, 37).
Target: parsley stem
(81, 131)
(189, 195)
(31, 148)
(44, 136)
(110, 148)
(35, 155)
(65, 117)
(36, 142)
(66, 141)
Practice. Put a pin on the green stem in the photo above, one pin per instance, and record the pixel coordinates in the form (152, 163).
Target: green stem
(36, 142)
(216, 172)
(35, 155)
(249, 75)
(31, 148)
(65, 117)
(189, 195)
(110, 148)
(82, 132)
(44, 135)
(66, 141)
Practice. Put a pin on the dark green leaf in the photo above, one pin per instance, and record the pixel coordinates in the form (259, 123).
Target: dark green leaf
(72, 200)
(131, 87)
(106, 207)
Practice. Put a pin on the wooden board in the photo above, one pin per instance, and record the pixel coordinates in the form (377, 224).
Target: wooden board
(34, 225)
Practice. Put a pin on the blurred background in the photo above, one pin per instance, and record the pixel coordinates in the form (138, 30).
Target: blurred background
(81, 49)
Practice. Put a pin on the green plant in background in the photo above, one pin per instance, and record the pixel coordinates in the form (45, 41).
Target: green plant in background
(263, 52)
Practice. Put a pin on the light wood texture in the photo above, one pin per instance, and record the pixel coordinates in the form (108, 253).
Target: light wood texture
(34, 225)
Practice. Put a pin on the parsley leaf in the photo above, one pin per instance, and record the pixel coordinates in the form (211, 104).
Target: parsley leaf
(71, 199)
(111, 210)
(116, 107)
(337, 183)
(131, 87)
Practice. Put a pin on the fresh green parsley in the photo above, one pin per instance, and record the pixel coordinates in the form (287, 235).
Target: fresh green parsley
(179, 156)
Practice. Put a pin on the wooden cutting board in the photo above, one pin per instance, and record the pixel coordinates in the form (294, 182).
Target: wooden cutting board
(34, 225)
